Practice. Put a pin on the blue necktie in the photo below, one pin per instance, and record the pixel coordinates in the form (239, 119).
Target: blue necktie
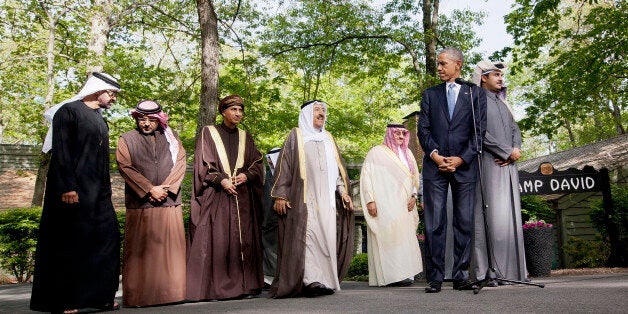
(451, 101)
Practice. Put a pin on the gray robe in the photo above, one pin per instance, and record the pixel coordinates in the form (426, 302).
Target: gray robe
(501, 194)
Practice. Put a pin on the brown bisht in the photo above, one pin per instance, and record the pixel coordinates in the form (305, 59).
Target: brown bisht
(224, 248)
(290, 185)
(154, 238)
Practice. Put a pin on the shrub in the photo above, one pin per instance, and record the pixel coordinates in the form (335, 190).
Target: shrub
(19, 229)
(585, 253)
(535, 207)
(359, 267)
(598, 217)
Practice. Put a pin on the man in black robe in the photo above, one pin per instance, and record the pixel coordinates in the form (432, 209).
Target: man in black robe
(77, 262)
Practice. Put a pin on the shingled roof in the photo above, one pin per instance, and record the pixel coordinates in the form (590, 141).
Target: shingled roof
(610, 154)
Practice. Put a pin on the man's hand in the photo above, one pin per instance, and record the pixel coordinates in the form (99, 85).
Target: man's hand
(411, 203)
(501, 162)
(281, 206)
(348, 201)
(228, 186)
(239, 179)
(453, 163)
(516, 154)
(70, 197)
(158, 193)
(372, 208)
(440, 162)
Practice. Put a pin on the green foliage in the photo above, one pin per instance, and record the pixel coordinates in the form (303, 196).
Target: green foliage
(359, 268)
(620, 218)
(533, 207)
(571, 55)
(18, 238)
(585, 253)
(598, 217)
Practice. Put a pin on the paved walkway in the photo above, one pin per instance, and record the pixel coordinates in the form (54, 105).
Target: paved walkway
(602, 293)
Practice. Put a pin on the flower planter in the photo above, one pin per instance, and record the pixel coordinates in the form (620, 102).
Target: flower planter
(538, 244)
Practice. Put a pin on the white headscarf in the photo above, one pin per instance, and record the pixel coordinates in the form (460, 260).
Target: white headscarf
(95, 83)
(306, 125)
(486, 66)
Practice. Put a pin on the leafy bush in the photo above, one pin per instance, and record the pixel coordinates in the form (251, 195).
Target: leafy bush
(19, 229)
(536, 208)
(359, 268)
(598, 217)
(585, 253)
(620, 206)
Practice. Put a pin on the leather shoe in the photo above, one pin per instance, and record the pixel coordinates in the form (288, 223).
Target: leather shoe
(465, 284)
(492, 283)
(433, 287)
(315, 289)
(403, 283)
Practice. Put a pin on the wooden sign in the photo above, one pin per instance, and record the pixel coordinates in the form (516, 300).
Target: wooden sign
(546, 180)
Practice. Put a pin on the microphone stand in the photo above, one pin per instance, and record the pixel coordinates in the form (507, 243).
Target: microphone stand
(489, 248)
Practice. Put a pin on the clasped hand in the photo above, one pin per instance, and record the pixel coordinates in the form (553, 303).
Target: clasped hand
(158, 193)
(447, 164)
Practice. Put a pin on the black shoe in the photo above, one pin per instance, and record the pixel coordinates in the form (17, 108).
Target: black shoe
(492, 283)
(316, 289)
(433, 287)
(465, 284)
(403, 283)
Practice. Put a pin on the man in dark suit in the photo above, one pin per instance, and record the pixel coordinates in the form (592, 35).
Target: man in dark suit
(449, 137)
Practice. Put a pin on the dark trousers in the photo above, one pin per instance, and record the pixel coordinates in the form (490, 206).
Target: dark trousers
(435, 211)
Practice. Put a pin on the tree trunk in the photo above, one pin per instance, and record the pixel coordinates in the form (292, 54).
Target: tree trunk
(616, 112)
(430, 26)
(100, 22)
(572, 138)
(44, 159)
(209, 63)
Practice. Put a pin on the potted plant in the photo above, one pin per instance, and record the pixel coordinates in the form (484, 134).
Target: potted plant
(538, 240)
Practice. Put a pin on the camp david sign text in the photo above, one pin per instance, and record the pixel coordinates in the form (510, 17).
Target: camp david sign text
(546, 180)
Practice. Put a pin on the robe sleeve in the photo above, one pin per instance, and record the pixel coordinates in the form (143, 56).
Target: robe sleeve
(206, 164)
(286, 165)
(516, 134)
(255, 171)
(65, 147)
(175, 177)
(366, 185)
(493, 146)
(138, 182)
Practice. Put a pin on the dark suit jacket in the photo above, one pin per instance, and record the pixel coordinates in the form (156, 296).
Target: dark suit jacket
(453, 137)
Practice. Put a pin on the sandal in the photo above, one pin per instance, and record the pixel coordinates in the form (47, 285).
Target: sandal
(111, 307)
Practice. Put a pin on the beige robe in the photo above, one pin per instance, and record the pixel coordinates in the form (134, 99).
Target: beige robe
(393, 248)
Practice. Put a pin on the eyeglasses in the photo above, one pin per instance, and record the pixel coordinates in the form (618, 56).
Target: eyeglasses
(111, 93)
(147, 119)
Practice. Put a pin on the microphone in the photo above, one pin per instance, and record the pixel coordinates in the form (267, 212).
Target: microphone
(463, 82)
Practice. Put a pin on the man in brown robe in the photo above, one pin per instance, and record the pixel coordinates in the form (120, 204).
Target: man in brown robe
(151, 159)
(224, 249)
(311, 193)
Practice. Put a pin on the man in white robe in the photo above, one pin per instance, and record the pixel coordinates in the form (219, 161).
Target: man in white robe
(389, 183)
